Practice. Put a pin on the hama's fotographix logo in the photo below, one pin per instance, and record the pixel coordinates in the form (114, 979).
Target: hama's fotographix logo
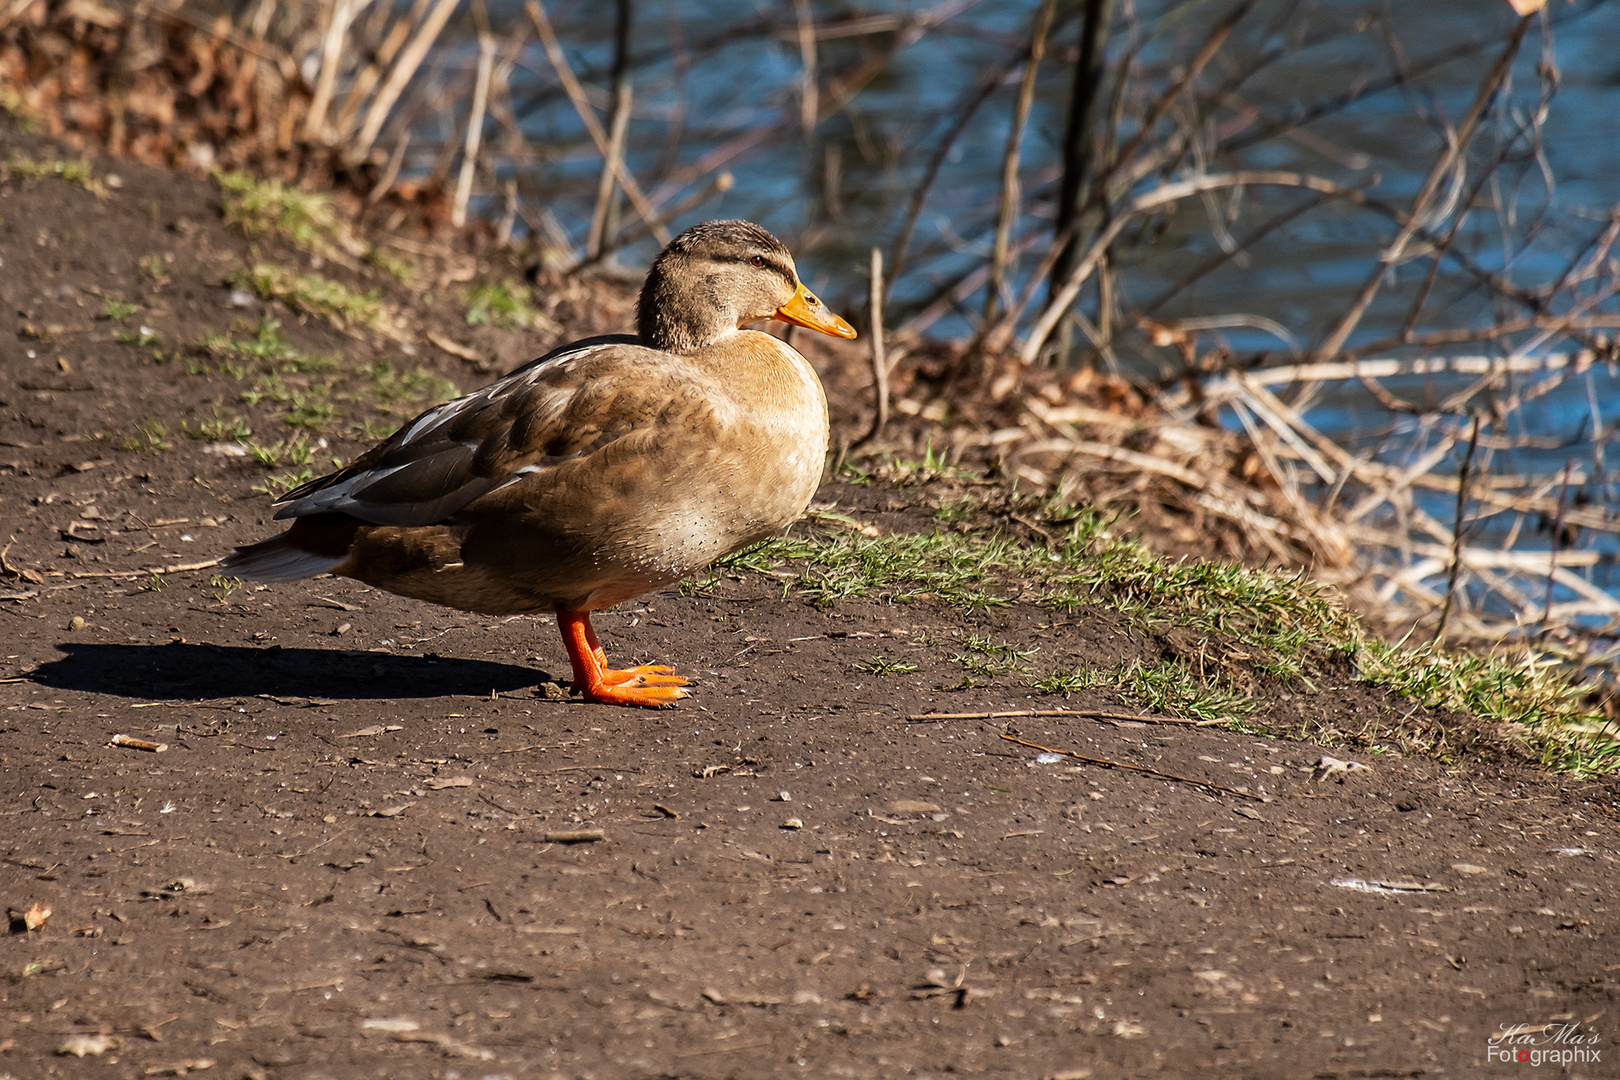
(1544, 1044)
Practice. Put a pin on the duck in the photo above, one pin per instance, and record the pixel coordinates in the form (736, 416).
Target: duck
(603, 470)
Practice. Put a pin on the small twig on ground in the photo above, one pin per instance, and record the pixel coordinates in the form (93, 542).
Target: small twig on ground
(1107, 764)
(1089, 714)
(204, 565)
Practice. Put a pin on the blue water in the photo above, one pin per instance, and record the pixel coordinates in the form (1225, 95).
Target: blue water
(710, 73)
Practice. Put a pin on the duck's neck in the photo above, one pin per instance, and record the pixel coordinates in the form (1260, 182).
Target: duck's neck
(681, 318)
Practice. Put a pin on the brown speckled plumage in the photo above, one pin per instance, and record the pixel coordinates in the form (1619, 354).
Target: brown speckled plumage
(603, 470)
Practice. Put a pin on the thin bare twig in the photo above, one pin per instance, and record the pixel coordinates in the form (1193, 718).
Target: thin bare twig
(1457, 533)
(1010, 200)
(1165, 194)
(1107, 764)
(587, 116)
(1420, 213)
(603, 215)
(880, 364)
(475, 129)
(410, 58)
(1086, 714)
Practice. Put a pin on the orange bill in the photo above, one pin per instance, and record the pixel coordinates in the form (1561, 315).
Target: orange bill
(806, 309)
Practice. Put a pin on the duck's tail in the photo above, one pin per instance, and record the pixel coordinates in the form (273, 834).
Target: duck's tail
(277, 560)
(315, 545)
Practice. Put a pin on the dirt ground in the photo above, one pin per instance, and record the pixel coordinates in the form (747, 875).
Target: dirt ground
(361, 853)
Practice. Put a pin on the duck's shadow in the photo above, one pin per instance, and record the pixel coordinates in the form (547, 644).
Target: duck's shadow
(214, 671)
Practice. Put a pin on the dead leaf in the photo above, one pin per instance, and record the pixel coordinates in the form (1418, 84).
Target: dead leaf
(88, 1045)
(1331, 766)
(31, 919)
(439, 783)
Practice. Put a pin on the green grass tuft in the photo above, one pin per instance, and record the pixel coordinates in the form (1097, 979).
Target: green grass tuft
(499, 303)
(1238, 626)
(313, 294)
(261, 206)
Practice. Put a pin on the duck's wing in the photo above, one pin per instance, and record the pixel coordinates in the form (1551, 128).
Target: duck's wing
(560, 407)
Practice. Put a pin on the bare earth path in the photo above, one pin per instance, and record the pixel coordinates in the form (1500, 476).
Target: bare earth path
(361, 853)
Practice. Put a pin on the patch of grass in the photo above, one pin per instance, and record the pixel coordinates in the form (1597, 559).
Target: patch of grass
(143, 336)
(374, 429)
(13, 103)
(296, 451)
(22, 167)
(499, 303)
(155, 265)
(990, 658)
(957, 509)
(155, 583)
(398, 267)
(1172, 688)
(218, 429)
(223, 585)
(118, 309)
(309, 411)
(148, 435)
(261, 206)
(879, 665)
(1537, 692)
(1068, 682)
(935, 465)
(278, 485)
(313, 294)
(1234, 623)
(851, 473)
(392, 386)
(960, 570)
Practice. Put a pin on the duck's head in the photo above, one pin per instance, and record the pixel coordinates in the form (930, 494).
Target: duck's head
(718, 276)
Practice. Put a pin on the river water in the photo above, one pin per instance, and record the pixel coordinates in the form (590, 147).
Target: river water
(709, 73)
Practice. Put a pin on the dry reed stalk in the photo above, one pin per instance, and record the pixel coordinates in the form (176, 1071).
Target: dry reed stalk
(718, 185)
(409, 59)
(604, 216)
(1457, 532)
(612, 165)
(587, 117)
(377, 62)
(475, 129)
(339, 14)
(809, 84)
(880, 363)
(1010, 199)
(390, 171)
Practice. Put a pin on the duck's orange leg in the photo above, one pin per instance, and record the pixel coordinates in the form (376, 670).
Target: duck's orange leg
(650, 684)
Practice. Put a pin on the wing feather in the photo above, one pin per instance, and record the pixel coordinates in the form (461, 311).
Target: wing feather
(558, 408)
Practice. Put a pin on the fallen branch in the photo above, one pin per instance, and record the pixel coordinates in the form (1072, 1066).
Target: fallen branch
(1107, 764)
(1089, 714)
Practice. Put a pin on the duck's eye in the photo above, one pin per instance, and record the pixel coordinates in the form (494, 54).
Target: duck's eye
(757, 260)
